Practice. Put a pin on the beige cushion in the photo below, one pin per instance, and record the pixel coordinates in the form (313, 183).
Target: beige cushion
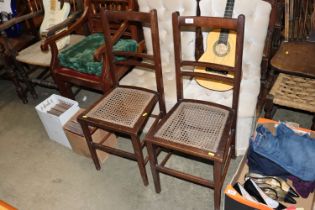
(35, 56)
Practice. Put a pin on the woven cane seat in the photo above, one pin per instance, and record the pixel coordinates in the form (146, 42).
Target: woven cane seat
(123, 106)
(196, 125)
(295, 92)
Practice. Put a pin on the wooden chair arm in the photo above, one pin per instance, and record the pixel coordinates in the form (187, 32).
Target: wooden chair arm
(51, 40)
(98, 54)
(19, 19)
(102, 49)
(52, 30)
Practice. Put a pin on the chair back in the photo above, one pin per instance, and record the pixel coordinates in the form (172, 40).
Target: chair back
(96, 6)
(35, 5)
(184, 67)
(298, 20)
(140, 58)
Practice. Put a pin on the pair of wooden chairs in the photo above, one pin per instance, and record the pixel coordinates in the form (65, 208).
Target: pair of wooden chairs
(193, 128)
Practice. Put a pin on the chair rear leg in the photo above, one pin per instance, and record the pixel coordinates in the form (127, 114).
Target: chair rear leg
(269, 107)
(217, 178)
(153, 163)
(313, 125)
(140, 160)
(233, 145)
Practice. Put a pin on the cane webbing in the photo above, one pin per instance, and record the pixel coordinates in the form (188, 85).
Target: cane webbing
(123, 106)
(196, 125)
(295, 92)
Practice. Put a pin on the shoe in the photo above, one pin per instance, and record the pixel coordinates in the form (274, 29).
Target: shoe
(240, 189)
(274, 182)
(255, 191)
(276, 193)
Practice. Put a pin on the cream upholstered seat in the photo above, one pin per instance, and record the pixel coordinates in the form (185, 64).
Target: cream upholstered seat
(256, 13)
(43, 58)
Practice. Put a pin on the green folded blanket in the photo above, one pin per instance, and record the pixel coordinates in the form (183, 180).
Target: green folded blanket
(79, 57)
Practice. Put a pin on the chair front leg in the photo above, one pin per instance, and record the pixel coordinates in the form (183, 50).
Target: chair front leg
(21, 71)
(140, 160)
(64, 88)
(217, 178)
(153, 163)
(19, 89)
(89, 142)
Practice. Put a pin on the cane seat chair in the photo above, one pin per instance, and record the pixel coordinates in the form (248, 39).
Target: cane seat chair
(198, 128)
(81, 64)
(126, 109)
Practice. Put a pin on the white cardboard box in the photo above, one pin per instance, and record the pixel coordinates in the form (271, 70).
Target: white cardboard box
(54, 124)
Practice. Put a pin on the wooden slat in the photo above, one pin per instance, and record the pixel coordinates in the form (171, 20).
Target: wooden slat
(185, 176)
(166, 159)
(115, 151)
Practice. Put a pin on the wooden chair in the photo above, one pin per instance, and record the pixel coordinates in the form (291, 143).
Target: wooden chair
(24, 52)
(11, 45)
(294, 86)
(197, 128)
(81, 65)
(126, 109)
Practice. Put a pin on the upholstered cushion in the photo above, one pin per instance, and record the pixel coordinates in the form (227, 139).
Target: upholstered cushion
(80, 56)
(43, 58)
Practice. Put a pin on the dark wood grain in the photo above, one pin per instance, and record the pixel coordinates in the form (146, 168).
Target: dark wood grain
(295, 58)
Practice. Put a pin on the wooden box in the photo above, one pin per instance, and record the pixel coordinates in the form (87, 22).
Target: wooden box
(77, 140)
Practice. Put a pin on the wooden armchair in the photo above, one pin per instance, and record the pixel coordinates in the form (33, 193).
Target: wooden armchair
(11, 45)
(81, 64)
(23, 53)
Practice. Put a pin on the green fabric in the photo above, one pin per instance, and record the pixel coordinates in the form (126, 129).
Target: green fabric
(80, 56)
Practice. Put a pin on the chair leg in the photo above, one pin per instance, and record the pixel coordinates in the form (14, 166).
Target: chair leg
(89, 142)
(140, 160)
(313, 125)
(153, 162)
(269, 107)
(25, 79)
(64, 88)
(19, 89)
(233, 145)
(217, 178)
